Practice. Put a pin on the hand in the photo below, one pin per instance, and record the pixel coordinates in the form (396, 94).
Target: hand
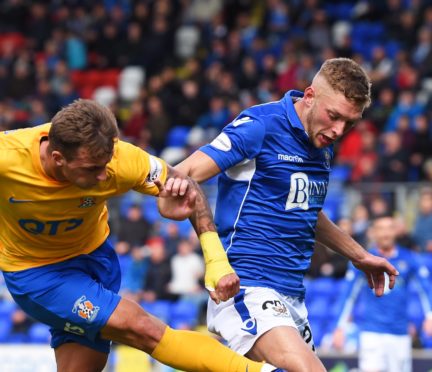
(338, 339)
(374, 267)
(176, 204)
(227, 287)
(176, 186)
(427, 325)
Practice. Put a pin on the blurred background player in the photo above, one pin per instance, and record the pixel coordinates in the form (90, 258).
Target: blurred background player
(384, 340)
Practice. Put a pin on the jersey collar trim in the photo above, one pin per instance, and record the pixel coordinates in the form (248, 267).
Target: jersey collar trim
(290, 96)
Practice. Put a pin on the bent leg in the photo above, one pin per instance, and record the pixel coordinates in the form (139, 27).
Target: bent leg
(185, 350)
(285, 348)
(72, 357)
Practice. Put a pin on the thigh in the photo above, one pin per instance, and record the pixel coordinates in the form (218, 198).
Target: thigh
(285, 348)
(242, 320)
(71, 357)
(73, 297)
(398, 351)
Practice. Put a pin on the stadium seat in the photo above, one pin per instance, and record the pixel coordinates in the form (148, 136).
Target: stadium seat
(5, 328)
(105, 95)
(159, 308)
(131, 79)
(6, 309)
(150, 209)
(177, 136)
(317, 308)
(323, 287)
(184, 315)
(39, 333)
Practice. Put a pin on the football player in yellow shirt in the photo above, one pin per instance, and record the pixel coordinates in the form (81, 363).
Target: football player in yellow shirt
(55, 256)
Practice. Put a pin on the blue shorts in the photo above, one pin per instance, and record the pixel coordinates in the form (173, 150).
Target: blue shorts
(74, 297)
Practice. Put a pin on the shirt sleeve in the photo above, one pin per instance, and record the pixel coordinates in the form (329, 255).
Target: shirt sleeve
(241, 139)
(138, 170)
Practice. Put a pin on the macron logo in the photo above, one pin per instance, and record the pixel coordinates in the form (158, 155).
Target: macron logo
(293, 158)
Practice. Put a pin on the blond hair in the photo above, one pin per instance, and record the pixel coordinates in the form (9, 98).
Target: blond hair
(346, 76)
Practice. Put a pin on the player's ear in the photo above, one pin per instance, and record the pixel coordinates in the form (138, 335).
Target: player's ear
(309, 95)
(58, 158)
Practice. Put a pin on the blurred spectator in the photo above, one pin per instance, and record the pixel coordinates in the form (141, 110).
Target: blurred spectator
(217, 117)
(421, 149)
(381, 107)
(403, 235)
(137, 121)
(381, 67)
(406, 105)
(328, 263)
(133, 231)
(158, 123)
(171, 237)
(135, 273)
(393, 162)
(359, 224)
(187, 271)
(158, 274)
(378, 206)
(422, 232)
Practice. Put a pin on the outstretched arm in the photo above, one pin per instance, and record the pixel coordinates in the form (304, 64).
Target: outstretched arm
(182, 197)
(331, 236)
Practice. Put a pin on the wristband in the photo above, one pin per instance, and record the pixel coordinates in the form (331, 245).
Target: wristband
(215, 258)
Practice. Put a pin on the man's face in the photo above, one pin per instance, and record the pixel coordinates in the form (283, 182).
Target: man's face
(383, 233)
(329, 117)
(85, 171)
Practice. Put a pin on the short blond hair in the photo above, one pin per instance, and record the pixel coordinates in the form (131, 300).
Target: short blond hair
(348, 77)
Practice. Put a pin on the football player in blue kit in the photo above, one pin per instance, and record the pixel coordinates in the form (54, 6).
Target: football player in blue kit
(384, 342)
(274, 162)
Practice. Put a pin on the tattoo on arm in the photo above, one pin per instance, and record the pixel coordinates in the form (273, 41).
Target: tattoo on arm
(202, 218)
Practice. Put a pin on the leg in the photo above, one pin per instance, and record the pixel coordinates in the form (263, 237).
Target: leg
(73, 357)
(285, 348)
(190, 351)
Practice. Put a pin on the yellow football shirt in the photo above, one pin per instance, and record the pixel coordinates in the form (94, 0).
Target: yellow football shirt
(45, 221)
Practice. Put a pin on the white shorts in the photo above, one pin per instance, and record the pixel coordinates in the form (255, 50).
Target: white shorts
(254, 311)
(384, 352)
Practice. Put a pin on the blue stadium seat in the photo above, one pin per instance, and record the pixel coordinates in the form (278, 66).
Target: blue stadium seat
(39, 333)
(7, 308)
(177, 136)
(323, 287)
(150, 210)
(5, 328)
(17, 338)
(159, 308)
(184, 315)
(318, 308)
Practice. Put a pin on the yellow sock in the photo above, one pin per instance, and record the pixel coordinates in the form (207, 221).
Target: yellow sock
(192, 351)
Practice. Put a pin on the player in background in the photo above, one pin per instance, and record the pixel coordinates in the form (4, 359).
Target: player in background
(274, 163)
(54, 253)
(384, 342)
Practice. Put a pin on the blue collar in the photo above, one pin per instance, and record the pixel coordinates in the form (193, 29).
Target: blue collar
(290, 97)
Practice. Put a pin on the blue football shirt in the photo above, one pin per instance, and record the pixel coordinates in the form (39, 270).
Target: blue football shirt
(389, 313)
(272, 186)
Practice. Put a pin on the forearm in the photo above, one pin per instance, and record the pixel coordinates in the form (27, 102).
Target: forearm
(202, 216)
(331, 236)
